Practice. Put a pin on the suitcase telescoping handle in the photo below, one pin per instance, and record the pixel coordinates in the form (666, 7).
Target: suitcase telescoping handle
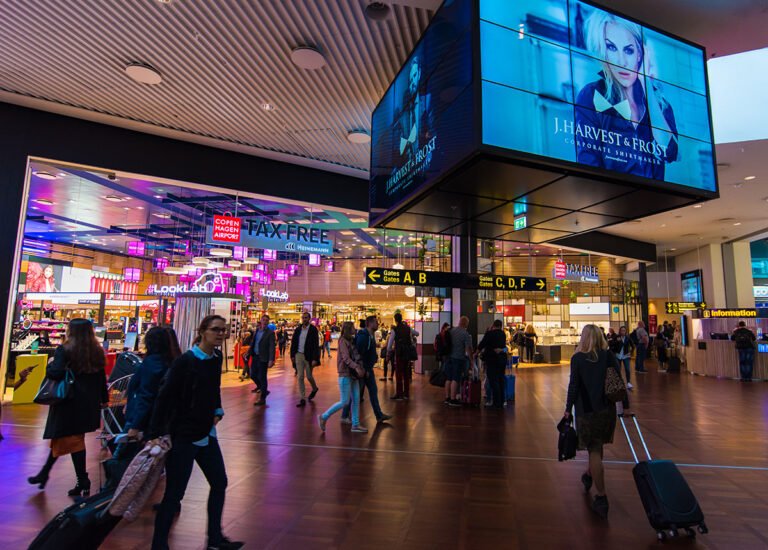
(622, 416)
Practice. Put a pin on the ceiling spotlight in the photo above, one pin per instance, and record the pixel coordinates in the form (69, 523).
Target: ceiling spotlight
(115, 198)
(359, 136)
(267, 107)
(749, 178)
(143, 73)
(698, 205)
(162, 215)
(47, 202)
(377, 11)
(44, 175)
(737, 223)
(307, 57)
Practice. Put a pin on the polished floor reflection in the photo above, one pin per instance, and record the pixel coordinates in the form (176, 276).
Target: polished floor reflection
(435, 477)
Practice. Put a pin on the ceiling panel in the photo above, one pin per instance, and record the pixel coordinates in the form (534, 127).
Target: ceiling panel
(220, 62)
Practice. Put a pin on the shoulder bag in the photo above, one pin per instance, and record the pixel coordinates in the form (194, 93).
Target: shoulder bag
(52, 392)
(615, 389)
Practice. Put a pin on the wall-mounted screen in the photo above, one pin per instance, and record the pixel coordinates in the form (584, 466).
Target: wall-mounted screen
(423, 126)
(591, 308)
(691, 286)
(567, 80)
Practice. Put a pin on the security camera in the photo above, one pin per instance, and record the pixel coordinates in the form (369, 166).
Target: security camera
(112, 177)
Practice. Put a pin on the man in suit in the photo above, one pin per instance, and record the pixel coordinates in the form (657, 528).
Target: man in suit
(305, 354)
(262, 357)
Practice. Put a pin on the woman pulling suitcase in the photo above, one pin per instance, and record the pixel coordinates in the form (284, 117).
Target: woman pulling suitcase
(595, 414)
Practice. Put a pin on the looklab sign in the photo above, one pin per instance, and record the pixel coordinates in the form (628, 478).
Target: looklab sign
(274, 235)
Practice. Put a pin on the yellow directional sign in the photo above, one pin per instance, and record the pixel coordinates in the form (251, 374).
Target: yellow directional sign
(441, 279)
(680, 307)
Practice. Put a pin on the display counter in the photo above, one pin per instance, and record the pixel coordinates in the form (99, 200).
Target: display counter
(720, 358)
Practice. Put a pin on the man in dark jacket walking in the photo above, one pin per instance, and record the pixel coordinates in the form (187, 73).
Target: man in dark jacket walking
(745, 345)
(262, 357)
(305, 354)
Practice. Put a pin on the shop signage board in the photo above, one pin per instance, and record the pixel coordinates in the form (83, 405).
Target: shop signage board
(226, 229)
(207, 283)
(679, 307)
(575, 272)
(272, 235)
(442, 279)
(273, 295)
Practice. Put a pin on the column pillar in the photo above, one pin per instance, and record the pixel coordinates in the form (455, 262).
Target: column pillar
(464, 260)
(737, 273)
(642, 292)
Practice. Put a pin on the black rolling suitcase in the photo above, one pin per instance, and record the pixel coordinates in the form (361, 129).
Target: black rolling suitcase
(83, 525)
(674, 364)
(668, 500)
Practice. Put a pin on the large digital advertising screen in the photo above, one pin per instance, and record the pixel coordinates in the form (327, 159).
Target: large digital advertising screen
(570, 81)
(423, 126)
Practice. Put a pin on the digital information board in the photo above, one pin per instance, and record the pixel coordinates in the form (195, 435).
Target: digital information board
(566, 80)
(442, 279)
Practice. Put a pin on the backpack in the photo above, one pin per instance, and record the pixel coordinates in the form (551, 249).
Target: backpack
(443, 343)
(743, 339)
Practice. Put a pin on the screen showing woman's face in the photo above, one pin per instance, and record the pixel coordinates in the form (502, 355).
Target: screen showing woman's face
(48, 272)
(623, 53)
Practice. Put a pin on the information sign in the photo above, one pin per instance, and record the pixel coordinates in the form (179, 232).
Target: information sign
(679, 307)
(441, 279)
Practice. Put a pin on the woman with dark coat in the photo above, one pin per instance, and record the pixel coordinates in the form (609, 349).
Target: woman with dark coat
(595, 415)
(188, 408)
(145, 383)
(69, 420)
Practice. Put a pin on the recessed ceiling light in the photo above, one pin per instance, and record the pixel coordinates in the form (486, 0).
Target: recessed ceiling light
(307, 57)
(47, 202)
(672, 249)
(35, 208)
(663, 225)
(737, 223)
(126, 208)
(143, 73)
(115, 198)
(749, 178)
(358, 136)
(139, 208)
(377, 11)
(268, 107)
(158, 196)
(44, 175)
(161, 215)
(698, 205)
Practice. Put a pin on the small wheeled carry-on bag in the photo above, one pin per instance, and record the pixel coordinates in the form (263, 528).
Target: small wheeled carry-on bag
(673, 365)
(471, 392)
(538, 358)
(83, 525)
(668, 500)
(509, 385)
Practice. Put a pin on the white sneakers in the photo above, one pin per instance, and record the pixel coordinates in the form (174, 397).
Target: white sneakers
(359, 429)
(629, 385)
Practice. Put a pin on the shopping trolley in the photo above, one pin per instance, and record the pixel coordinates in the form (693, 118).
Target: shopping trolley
(113, 416)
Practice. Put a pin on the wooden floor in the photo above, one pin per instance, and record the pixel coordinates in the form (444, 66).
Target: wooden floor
(435, 477)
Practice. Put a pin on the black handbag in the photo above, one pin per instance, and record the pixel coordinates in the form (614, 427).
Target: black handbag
(567, 440)
(52, 392)
(438, 377)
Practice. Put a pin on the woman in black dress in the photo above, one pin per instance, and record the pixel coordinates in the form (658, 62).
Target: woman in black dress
(69, 420)
(595, 415)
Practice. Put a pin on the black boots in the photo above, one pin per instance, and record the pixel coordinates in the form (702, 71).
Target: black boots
(42, 477)
(83, 487)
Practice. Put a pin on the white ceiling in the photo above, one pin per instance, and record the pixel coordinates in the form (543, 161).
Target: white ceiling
(743, 202)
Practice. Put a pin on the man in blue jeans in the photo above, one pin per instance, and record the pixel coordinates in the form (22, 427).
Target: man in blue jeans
(745, 346)
(365, 341)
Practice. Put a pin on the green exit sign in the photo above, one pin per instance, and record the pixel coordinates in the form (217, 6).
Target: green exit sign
(521, 223)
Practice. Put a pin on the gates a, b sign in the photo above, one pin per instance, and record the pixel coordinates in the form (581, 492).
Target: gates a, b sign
(226, 229)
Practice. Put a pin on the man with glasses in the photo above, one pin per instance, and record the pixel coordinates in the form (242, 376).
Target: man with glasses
(262, 356)
(305, 354)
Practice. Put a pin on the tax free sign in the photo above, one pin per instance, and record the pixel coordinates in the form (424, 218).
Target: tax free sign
(270, 235)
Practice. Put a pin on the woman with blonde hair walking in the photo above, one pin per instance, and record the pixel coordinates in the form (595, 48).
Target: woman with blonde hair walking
(595, 413)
